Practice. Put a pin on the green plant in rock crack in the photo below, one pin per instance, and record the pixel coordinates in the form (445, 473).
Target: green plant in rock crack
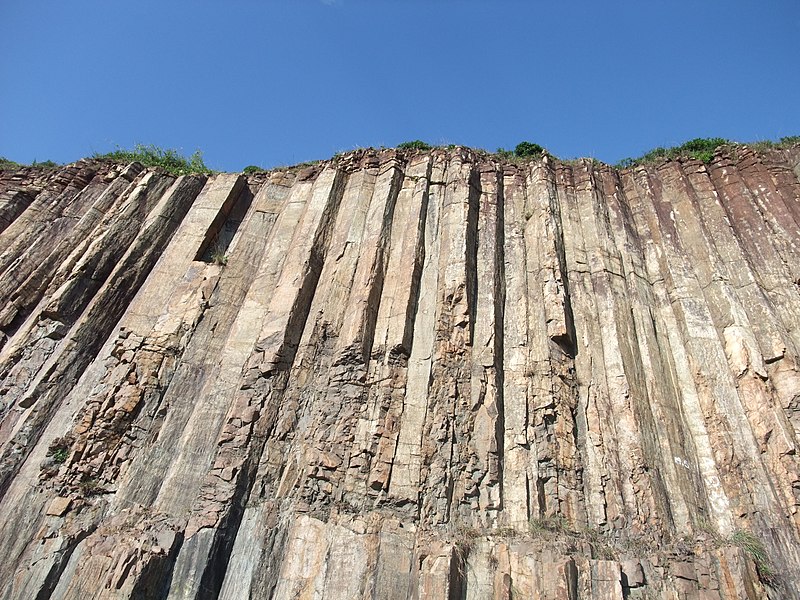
(59, 449)
(60, 455)
(90, 487)
(219, 258)
(552, 524)
(218, 253)
(748, 542)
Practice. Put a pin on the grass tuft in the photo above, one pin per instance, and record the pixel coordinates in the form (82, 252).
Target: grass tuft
(748, 542)
(218, 253)
(8, 165)
(551, 524)
(170, 160)
(699, 149)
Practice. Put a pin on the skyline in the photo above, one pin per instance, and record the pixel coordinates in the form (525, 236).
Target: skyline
(280, 83)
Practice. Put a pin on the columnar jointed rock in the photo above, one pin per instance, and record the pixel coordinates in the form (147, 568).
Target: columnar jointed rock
(394, 375)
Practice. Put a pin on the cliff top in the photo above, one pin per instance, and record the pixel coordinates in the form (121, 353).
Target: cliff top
(172, 161)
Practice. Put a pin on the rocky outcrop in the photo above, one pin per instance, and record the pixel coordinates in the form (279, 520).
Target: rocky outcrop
(402, 375)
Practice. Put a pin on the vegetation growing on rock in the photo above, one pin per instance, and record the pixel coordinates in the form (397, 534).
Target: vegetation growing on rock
(171, 160)
(414, 145)
(699, 148)
(702, 149)
(522, 150)
(6, 164)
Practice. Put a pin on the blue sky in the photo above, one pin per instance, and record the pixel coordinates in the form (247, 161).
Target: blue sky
(278, 82)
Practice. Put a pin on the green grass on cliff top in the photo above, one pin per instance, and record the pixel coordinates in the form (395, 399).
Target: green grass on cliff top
(170, 160)
(175, 163)
(700, 149)
(6, 164)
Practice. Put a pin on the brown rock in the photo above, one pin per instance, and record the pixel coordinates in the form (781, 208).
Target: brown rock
(59, 506)
(414, 374)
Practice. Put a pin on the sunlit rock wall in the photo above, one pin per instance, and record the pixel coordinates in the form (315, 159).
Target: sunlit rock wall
(402, 375)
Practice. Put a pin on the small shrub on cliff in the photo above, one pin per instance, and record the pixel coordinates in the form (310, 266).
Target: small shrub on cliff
(414, 145)
(60, 455)
(626, 163)
(253, 170)
(90, 487)
(170, 160)
(702, 148)
(528, 150)
(523, 150)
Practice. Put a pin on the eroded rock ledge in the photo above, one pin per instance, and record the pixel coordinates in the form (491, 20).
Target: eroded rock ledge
(398, 375)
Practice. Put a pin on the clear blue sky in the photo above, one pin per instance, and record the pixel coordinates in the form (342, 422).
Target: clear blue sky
(280, 82)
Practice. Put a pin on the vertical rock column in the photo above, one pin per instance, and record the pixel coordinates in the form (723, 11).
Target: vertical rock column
(556, 467)
(216, 515)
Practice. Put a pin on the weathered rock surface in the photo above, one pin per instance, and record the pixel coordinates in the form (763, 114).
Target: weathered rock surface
(419, 375)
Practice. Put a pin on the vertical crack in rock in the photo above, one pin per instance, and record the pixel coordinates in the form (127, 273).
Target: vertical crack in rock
(402, 374)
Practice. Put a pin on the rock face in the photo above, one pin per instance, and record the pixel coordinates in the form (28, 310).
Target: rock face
(402, 375)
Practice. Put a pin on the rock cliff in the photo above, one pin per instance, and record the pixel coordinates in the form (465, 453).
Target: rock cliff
(402, 375)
